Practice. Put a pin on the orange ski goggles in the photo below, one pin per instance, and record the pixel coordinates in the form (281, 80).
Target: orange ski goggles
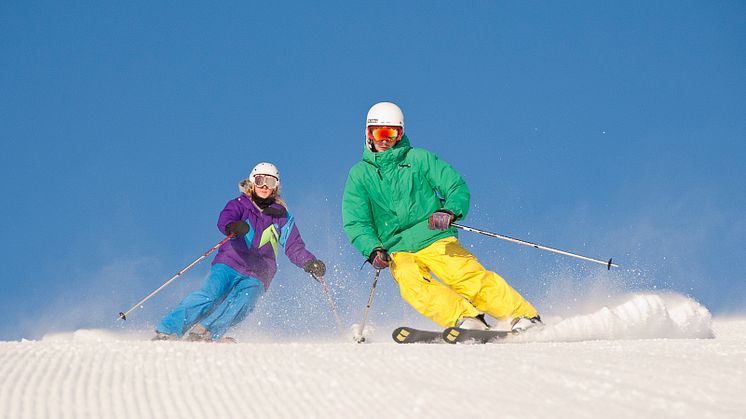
(390, 134)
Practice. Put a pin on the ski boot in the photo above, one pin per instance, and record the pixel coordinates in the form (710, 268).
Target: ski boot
(473, 323)
(198, 333)
(521, 324)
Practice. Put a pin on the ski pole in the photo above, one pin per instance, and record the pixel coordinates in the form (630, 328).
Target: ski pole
(123, 315)
(331, 303)
(608, 263)
(361, 338)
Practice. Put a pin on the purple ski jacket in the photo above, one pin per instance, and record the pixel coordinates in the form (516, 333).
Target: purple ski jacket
(255, 254)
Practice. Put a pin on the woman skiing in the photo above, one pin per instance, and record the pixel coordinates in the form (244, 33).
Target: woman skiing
(244, 267)
(397, 208)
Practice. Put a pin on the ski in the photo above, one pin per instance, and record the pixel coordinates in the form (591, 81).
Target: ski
(411, 335)
(455, 335)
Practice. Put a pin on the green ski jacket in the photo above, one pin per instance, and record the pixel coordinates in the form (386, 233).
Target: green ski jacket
(390, 195)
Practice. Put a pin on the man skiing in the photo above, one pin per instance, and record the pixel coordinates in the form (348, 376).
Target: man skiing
(244, 267)
(397, 208)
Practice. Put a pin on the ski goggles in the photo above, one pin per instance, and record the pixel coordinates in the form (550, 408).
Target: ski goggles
(391, 134)
(265, 180)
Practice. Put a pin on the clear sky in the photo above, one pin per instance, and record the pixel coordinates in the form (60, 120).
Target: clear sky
(604, 128)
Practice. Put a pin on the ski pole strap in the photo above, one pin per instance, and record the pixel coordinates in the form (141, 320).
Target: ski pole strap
(608, 263)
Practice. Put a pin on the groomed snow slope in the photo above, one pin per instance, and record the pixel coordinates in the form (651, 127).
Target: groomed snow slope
(652, 356)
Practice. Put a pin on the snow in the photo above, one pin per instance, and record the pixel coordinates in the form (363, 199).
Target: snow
(649, 356)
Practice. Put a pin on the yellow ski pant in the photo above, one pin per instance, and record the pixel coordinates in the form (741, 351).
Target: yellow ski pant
(467, 288)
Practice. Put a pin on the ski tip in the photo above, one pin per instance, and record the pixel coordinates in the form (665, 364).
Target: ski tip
(410, 335)
(400, 334)
(455, 335)
(451, 334)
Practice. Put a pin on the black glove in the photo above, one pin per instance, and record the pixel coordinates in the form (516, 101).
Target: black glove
(315, 267)
(239, 228)
(379, 258)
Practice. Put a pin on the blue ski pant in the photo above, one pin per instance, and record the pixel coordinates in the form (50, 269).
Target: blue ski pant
(223, 301)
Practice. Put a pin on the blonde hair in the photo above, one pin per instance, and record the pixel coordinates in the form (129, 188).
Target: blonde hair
(246, 186)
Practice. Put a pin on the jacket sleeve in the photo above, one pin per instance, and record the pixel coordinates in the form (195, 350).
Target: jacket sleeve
(295, 248)
(449, 185)
(357, 216)
(229, 214)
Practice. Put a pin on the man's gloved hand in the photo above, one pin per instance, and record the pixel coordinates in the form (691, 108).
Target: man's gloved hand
(239, 228)
(379, 258)
(315, 267)
(441, 220)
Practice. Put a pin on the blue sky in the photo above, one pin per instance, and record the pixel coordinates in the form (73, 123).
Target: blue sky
(601, 128)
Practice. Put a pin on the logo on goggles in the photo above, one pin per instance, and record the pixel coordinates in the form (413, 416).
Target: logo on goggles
(391, 134)
(266, 180)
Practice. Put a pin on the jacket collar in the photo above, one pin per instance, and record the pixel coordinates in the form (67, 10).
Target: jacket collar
(275, 210)
(393, 155)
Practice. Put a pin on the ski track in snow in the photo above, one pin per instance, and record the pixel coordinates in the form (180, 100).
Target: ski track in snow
(650, 356)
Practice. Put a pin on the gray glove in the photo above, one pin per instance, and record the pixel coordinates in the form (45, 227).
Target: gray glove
(315, 267)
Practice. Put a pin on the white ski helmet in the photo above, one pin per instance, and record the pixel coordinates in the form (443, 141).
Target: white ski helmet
(385, 113)
(265, 168)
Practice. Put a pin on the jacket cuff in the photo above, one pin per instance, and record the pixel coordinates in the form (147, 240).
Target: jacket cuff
(373, 254)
